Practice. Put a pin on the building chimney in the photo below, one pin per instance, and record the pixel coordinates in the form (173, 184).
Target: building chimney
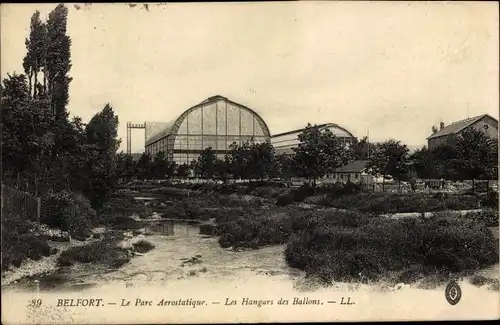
(441, 125)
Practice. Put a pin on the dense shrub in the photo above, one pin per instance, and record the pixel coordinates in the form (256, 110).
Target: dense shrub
(269, 192)
(102, 252)
(401, 203)
(490, 200)
(264, 229)
(255, 231)
(19, 241)
(339, 189)
(489, 218)
(295, 195)
(68, 211)
(143, 246)
(173, 212)
(306, 190)
(124, 223)
(285, 199)
(382, 245)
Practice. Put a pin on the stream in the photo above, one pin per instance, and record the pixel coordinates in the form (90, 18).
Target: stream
(180, 254)
(188, 266)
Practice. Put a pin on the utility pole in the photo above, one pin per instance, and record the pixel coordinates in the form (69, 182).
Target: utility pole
(368, 141)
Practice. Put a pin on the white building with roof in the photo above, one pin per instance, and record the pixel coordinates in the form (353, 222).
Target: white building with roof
(484, 123)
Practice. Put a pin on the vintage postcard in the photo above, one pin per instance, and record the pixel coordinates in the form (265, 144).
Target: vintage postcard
(249, 162)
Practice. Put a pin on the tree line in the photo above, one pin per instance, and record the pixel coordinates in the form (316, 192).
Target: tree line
(319, 152)
(43, 149)
(473, 155)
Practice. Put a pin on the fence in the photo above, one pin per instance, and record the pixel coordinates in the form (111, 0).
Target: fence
(20, 203)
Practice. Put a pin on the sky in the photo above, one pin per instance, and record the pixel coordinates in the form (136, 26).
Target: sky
(393, 68)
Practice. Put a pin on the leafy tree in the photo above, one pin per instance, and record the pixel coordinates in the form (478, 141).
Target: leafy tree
(236, 159)
(222, 169)
(477, 155)
(101, 133)
(361, 149)
(435, 163)
(471, 155)
(283, 167)
(182, 170)
(205, 166)
(261, 160)
(389, 158)
(34, 60)
(162, 167)
(58, 62)
(125, 166)
(25, 130)
(145, 166)
(318, 153)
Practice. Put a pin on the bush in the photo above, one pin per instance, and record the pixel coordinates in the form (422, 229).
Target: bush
(384, 203)
(285, 199)
(68, 211)
(373, 249)
(488, 218)
(269, 192)
(173, 212)
(490, 200)
(261, 230)
(102, 252)
(143, 246)
(339, 189)
(295, 195)
(124, 223)
(19, 241)
(254, 232)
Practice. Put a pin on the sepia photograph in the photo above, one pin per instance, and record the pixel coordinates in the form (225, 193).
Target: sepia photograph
(249, 162)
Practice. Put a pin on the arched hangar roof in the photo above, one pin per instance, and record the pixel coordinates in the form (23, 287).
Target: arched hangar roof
(323, 126)
(172, 127)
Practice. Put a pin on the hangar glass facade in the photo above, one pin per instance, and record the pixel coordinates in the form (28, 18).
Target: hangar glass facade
(216, 122)
(285, 142)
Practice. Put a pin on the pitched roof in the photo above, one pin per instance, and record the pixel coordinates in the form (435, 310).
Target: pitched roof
(457, 126)
(356, 166)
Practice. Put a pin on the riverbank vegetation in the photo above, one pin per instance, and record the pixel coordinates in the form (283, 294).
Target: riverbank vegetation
(106, 252)
(143, 246)
(348, 245)
(21, 241)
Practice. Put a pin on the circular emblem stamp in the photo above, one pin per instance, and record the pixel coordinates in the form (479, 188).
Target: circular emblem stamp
(453, 293)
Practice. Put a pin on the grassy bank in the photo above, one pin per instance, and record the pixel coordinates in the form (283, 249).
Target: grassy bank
(383, 203)
(408, 248)
(275, 227)
(352, 245)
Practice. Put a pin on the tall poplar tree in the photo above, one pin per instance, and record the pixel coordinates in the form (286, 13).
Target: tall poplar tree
(34, 60)
(58, 61)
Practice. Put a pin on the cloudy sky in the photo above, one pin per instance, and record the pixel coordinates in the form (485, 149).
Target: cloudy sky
(393, 68)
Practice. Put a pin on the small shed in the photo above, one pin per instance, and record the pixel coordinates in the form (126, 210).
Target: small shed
(354, 172)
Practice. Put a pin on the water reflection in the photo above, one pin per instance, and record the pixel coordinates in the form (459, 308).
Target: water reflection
(174, 228)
